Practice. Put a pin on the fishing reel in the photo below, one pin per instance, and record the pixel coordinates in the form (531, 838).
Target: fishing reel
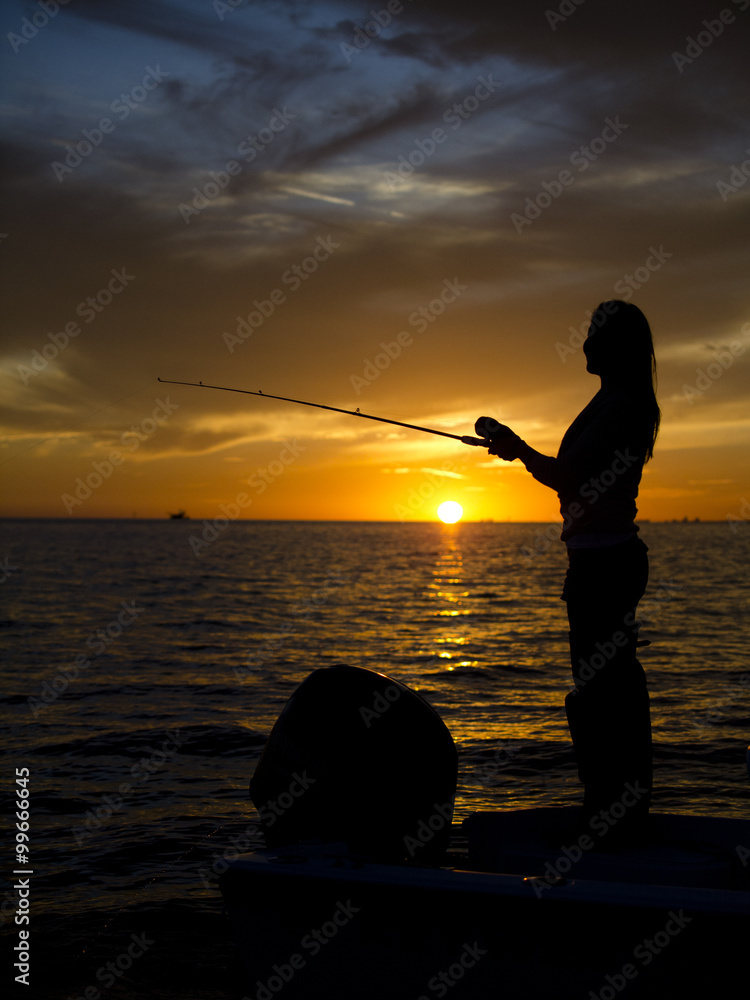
(489, 431)
(488, 428)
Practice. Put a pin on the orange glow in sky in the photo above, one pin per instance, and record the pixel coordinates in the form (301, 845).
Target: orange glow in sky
(419, 229)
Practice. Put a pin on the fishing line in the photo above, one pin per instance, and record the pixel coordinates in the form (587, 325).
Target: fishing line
(465, 439)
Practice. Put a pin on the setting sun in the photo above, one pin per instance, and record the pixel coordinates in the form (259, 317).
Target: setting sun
(450, 512)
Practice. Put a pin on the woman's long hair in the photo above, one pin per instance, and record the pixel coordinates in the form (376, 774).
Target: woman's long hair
(628, 343)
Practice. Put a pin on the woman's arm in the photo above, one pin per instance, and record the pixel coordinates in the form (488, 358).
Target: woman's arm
(509, 446)
(543, 468)
(588, 449)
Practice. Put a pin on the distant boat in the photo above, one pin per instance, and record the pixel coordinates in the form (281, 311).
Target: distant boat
(180, 516)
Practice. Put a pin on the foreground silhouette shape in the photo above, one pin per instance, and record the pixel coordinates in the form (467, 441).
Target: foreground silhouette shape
(596, 475)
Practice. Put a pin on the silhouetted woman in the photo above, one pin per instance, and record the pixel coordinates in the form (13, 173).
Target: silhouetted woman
(596, 475)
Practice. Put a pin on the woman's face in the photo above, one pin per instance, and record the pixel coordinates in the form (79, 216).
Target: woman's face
(597, 348)
(591, 350)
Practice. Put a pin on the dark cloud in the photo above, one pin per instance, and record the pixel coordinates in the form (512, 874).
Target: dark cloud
(192, 25)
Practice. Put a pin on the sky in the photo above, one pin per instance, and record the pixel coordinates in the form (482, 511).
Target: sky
(408, 208)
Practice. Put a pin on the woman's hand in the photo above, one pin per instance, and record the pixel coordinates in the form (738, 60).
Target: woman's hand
(505, 447)
(500, 438)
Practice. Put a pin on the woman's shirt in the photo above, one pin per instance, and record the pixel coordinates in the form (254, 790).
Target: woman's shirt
(598, 469)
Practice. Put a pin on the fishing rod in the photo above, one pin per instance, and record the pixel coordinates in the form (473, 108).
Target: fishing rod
(465, 439)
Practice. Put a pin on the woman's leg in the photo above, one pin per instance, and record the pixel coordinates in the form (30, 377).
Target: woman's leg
(608, 711)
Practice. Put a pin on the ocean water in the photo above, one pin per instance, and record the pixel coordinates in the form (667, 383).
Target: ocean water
(144, 664)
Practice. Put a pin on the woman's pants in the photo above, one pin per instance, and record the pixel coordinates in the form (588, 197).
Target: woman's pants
(608, 711)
